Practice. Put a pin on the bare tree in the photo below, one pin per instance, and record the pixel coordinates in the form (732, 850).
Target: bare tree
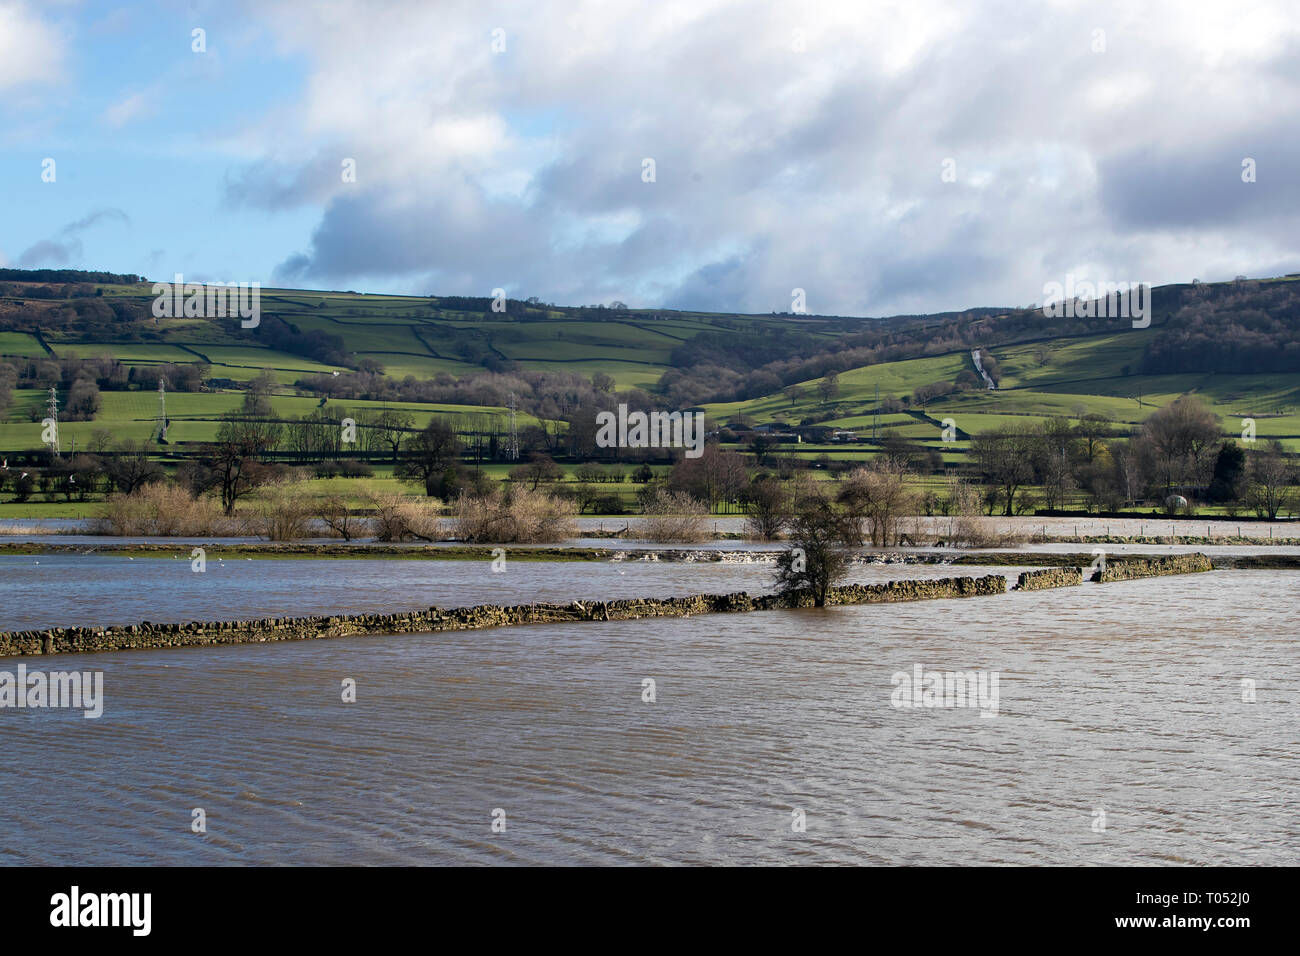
(430, 454)
(1005, 458)
(1272, 480)
(1178, 443)
(132, 467)
(767, 503)
(390, 428)
(257, 399)
(537, 469)
(339, 518)
(1093, 429)
(829, 387)
(878, 496)
(231, 464)
(715, 476)
(817, 558)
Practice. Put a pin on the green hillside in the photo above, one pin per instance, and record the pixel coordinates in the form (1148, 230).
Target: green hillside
(902, 376)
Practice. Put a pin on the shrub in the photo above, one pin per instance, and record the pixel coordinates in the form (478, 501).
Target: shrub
(399, 518)
(283, 516)
(513, 514)
(24, 485)
(538, 469)
(767, 508)
(965, 526)
(350, 468)
(675, 516)
(347, 467)
(339, 520)
(161, 510)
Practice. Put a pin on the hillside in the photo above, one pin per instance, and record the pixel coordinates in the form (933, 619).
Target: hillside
(1235, 344)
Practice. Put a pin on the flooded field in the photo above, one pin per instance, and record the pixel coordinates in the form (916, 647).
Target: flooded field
(1120, 703)
(1151, 526)
(41, 591)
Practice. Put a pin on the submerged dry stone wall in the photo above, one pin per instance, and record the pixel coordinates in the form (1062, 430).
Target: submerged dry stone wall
(1118, 569)
(70, 640)
(1049, 578)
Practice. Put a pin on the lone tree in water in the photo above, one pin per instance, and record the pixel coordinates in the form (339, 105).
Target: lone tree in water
(817, 558)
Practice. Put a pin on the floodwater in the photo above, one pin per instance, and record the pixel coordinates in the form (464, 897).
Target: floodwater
(1123, 730)
(61, 590)
(1029, 526)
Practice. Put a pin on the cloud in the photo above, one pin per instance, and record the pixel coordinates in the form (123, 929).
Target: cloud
(1202, 184)
(49, 252)
(94, 218)
(777, 168)
(31, 50)
(66, 248)
(127, 109)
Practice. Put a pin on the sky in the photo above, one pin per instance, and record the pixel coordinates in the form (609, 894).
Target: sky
(882, 157)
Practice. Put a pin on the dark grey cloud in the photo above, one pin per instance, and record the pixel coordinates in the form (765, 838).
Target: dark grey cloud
(275, 185)
(1199, 185)
(48, 252)
(66, 248)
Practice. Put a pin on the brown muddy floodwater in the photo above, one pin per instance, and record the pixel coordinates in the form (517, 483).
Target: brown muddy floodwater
(1121, 703)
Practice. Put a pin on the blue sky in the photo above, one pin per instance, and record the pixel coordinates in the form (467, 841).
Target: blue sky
(795, 145)
(139, 124)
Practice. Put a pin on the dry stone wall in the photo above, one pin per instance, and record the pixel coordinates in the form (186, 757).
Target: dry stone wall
(71, 640)
(1049, 578)
(1119, 569)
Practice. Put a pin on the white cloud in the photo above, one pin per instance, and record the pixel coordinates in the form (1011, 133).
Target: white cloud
(31, 50)
(777, 168)
(126, 109)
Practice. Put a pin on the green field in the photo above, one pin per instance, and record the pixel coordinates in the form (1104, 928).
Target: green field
(1081, 376)
(423, 337)
(20, 344)
(131, 354)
